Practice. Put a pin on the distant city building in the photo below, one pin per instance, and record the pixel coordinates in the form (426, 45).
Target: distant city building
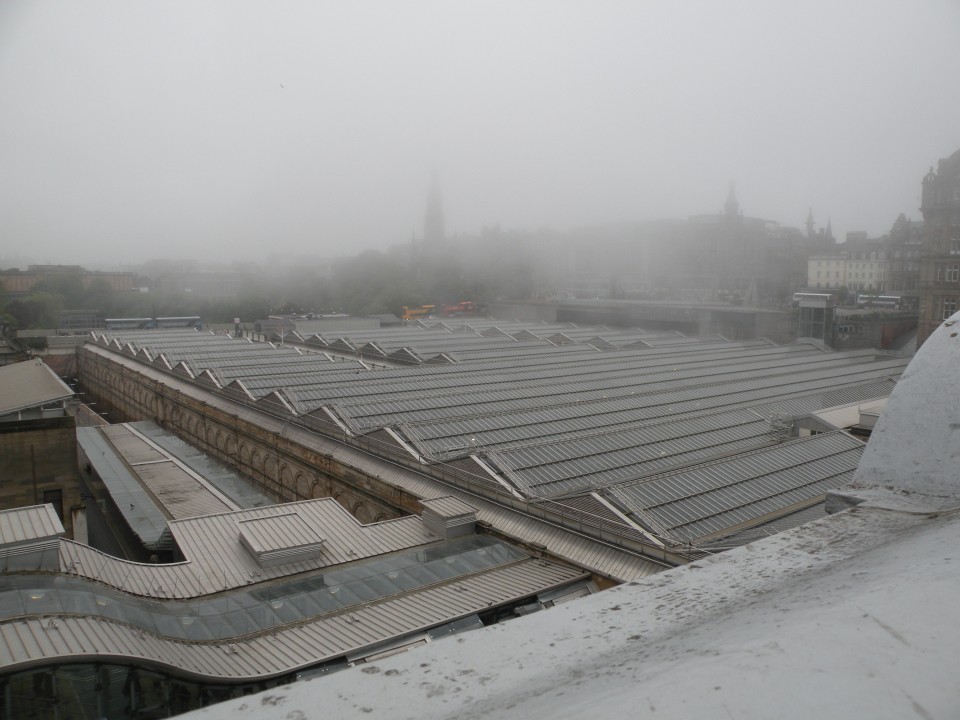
(871, 327)
(866, 262)
(903, 261)
(859, 264)
(20, 282)
(940, 251)
(721, 257)
(827, 271)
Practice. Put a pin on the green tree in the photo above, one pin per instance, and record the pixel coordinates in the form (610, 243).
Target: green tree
(36, 310)
(68, 285)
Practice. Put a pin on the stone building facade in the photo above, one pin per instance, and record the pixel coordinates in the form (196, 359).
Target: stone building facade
(17, 282)
(903, 261)
(940, 253)
(38, 464)
(827, 271)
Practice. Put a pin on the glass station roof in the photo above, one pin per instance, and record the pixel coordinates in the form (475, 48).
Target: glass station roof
(243, 612)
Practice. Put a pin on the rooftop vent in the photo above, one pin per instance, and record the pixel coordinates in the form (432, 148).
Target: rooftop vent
(449, 517)
(280, 539)
(30, 538)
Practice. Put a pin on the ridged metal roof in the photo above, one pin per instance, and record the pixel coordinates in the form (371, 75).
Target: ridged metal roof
(726, 495)
(594, 461)
(451, 437)
(27, 524)
(175, 489)
(554, 424)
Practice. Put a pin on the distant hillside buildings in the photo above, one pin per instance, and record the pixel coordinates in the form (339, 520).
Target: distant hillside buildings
(722, 257)
(21, 282)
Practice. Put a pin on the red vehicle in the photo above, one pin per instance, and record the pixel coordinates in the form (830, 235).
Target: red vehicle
(467, 308)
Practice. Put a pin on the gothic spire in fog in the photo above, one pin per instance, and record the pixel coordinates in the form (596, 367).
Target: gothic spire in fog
(731, 208)
(433, 226)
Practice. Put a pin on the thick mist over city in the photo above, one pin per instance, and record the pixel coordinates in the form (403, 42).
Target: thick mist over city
(223, 132)
(330, 331)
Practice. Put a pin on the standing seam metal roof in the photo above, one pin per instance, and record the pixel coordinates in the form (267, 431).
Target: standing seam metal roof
(696, 503)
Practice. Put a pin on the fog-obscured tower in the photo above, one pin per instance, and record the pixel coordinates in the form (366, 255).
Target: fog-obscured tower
(731, 208)
(434, 231)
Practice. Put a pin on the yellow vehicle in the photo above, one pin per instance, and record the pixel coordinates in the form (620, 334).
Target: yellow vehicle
(409, 313)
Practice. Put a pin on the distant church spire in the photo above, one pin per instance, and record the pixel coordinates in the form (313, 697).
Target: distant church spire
(731, 208)
(433, 225)
(810, 223)
(829, 231)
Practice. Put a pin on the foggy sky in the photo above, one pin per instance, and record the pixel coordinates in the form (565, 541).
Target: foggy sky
(235, 129)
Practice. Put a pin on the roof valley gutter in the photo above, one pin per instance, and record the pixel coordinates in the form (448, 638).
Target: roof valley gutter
(187, 469)
(616, 511)
(493, 474)
(405, 445)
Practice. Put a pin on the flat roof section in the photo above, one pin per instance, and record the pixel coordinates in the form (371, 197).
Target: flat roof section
(217, 560)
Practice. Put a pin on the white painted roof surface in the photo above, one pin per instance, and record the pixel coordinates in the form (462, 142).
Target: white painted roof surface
(846, 416)
(916, 441)
(30, 384)
(852, 616)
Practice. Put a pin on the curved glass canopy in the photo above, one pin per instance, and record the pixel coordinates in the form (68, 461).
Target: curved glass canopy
(242, 612)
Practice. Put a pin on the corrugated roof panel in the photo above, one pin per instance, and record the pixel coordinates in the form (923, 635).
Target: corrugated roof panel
(707, 500)
(593, 461)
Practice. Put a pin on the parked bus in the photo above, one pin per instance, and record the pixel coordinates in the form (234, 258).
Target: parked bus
(887, 302)
(190, 321)
(825, 298)
(129, 323)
